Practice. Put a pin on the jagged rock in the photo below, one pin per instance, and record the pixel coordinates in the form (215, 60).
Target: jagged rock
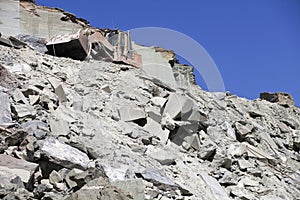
(21, 168)
(244, 164)
(59, 127)
(192, 142)
(15, 138)
(241, 192)
(37, 43)
(215, 188)
(10, 180)
(106, 88)
(165, 123)
(207, 149)
(154, 113)
(243, 130)
(63, 154)
(59, 91)
(42, 188)
(19, 97)
(180, 134)
(178, 105)
(22, 110)
(155, 129)
(158, 101)
(55, 177)
(5, 112)
(157, 177)
(164, 156)
(36, 128)
(134, 187)
(100, 192)
(130, 114)
(282, 98)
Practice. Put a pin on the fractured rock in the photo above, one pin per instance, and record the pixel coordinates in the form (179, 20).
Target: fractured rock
(214, 186)
(282, 98)
(177, 105)
(155, 129)
(135, 187)
(158, 101)
(164, 156)
(59, 127)
(25, 170)
(59, 91)
(22, 110)
(130, 114)
(63, 154)
(179, 134)
(243, 130)
(5, 113)
(36, 128)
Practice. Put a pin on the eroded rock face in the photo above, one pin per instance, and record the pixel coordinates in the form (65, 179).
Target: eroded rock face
(74, 129)
(282, 98)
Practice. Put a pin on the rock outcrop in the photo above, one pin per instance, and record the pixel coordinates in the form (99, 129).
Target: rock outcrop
(95, 129)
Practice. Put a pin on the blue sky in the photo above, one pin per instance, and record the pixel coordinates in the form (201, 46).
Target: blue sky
(255, 44)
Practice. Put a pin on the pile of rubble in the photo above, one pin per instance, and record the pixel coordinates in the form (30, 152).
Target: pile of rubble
(98, 128)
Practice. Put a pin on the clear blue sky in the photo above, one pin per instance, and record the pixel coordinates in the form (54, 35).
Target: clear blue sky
(254, 43)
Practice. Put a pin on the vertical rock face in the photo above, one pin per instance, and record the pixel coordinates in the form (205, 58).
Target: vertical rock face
(91, 129)
(9, 17)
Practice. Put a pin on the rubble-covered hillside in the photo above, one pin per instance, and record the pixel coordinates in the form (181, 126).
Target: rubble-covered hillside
(133, 125)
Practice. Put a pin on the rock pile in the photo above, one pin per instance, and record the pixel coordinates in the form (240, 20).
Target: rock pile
(98, 130)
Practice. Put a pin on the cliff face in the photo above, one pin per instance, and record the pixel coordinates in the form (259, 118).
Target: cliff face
(91, 129)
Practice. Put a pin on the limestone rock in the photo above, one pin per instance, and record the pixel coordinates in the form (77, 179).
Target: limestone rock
(63, 154)
(21, 168)
(5, 113)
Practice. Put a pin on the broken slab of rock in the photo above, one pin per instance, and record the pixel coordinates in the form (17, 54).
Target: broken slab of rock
(215, 188)
(21, 168)
(177, 105)
(135, 187)
(160, 180)
(63, 154)
(75, 46)
(130, 114)
(281, 98)
(5, 112)
(100, 192)
(19, 97)
(36, 43)
(15, 138)
(179, 135)
(22, 110)
(165, 156)
(243, 130)
(155, 129)
(158, 101)
(36, 128)
(10, 180)
(59, 127)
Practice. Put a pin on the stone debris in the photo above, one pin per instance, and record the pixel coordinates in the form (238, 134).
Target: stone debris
(92, 127)
(62, 154)
(5, 112)
(281, 98)
(22, 169)
(131, 114)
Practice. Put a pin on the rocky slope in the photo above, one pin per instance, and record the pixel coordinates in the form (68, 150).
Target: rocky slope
(100, 130)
